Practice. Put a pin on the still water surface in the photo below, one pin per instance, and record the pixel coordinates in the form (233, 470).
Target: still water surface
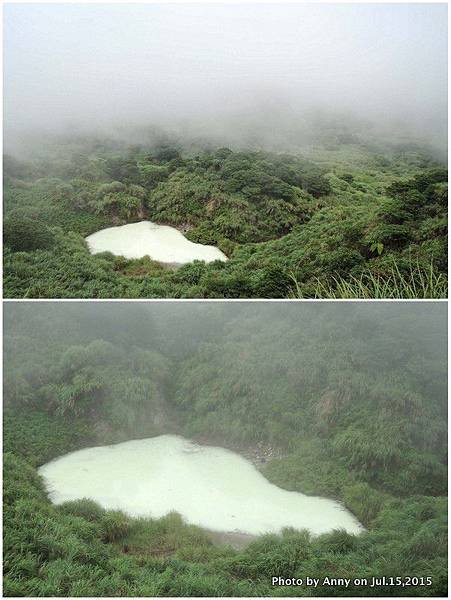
(162, 243)
(211, 487)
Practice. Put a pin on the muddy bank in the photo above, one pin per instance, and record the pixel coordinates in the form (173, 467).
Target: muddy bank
(258, 454)
(235, 539)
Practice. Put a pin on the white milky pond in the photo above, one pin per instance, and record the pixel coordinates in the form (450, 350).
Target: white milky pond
(162, 243)
(211, 487)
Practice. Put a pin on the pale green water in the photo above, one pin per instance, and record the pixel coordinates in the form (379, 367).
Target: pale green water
(210, 487)
(162, 243)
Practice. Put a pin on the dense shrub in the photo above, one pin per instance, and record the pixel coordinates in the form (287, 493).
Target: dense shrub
(345, 402)
(288, 224)
(22, 233)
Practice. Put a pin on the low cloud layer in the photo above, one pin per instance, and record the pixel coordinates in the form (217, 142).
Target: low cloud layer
(219, 70)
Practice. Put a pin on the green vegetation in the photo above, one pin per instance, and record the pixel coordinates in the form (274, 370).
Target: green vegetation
(341, 220)
(419, 283)
(352, 397)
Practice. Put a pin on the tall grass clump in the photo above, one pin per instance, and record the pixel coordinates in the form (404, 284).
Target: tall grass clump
(417, 283)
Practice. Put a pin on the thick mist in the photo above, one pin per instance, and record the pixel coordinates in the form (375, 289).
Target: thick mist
(236, 74)
(382, 335)
(126, 424)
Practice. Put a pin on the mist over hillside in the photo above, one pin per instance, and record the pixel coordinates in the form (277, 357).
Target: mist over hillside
(305, 142)
(285, 368)
(346, 401)
(242, 75)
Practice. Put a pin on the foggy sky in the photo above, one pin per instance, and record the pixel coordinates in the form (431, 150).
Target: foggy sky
(210, 67)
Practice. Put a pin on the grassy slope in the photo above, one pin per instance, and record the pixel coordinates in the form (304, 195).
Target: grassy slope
(356, 405)
(79, 549)
(281, 239)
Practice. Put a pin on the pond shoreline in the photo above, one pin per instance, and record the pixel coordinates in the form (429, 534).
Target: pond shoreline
(258, 454)
(162, 243)
(211, 487)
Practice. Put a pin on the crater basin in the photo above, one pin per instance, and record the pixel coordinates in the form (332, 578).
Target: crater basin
(210, 487)
(162, 243)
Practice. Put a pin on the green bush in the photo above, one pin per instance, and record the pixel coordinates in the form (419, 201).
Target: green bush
(115, 526)
(23, 233)
(289, 225)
